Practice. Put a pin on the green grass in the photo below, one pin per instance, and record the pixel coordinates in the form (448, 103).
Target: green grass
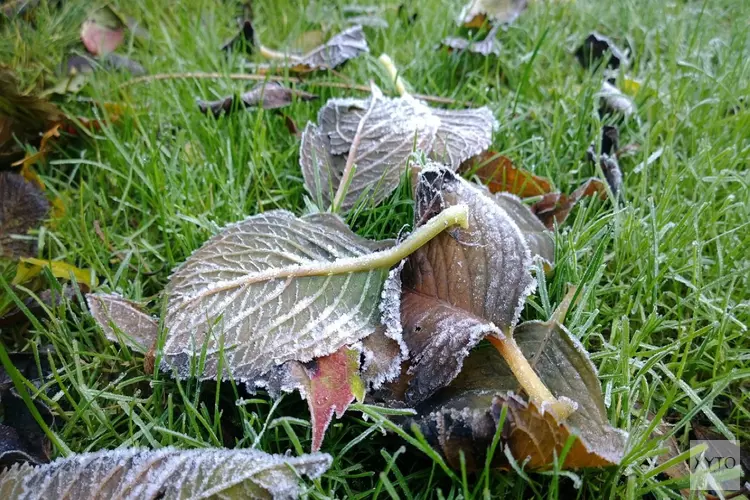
(664, 272)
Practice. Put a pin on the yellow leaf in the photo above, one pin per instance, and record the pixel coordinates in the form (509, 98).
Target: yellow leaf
(30, 174)
(58, 208)
(630, 86)
(29, 268)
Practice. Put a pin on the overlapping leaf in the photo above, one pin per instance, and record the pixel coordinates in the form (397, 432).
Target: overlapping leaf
(103, 31)
(381, 133)
(462, 285)
(555, 207)
(270, 95)
(137, 473)
(122, 320)
(464, 415)
(22, 207)
(477, 12)
(244, 295)
(346, 45)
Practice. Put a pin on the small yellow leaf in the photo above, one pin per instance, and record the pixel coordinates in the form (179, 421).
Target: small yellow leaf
(58, 208)
(29, 268)
(630, 86)
(28, 172)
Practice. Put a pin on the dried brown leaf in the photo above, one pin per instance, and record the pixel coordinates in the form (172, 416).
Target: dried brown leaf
(499, 174)
(267, 95)
(123, 321)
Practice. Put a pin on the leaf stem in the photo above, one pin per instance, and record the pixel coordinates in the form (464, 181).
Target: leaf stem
(200, 75)
(387, 62)
(451, 216)
(348, 172)
(276, 54)
(527, 377)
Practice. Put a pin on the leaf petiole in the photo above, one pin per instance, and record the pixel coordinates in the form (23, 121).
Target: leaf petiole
(387, 62)
(527, 377)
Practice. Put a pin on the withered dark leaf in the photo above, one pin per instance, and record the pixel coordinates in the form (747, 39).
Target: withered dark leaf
(594, 49)
(608, 158)
(555, 207)
(123, 63)
(21, 438)
(267, 95)
(487, 46)
(123, 321)
(461, 286)
(244, 39)
(501, 175)
(464, 415)
(22, 207)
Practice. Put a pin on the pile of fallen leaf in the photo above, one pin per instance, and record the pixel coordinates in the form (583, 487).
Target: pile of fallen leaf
(284, 303)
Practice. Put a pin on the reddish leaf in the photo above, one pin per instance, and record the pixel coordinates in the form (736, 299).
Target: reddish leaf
(103, 31)
(334, 383)
(499, 174)
(556, 206)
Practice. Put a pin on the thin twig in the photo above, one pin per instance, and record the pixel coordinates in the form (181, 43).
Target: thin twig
(349, 167)
(198, 75)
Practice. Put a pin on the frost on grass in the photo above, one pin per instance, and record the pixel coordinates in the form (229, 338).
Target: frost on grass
(168, 473)
(458, 417)
(381, 133)
(123, 321)
(259, 294)
(461, 286)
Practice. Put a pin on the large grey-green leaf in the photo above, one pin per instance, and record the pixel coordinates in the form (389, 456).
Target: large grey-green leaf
(168, 473)
(475, 12)
(241, 293)
(382, 132)
(123, 320)
(462, 285)
(457, 417)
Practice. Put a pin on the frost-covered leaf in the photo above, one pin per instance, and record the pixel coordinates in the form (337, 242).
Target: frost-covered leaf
(476, 12)
(22, 207)
(612, 100)
(260, 294)
(464, 415)
(386, 130)
(382, 132)
(462, 285)
(244, 39)
(346, 45)
(499, 174)
(485, 47)
(539, 238)
(123, 320)
(463, 133)
(168, 473)
(555, 207)
(594, 49)
(267, 95)
(607, 160)
(102, 31)
(123, 63)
